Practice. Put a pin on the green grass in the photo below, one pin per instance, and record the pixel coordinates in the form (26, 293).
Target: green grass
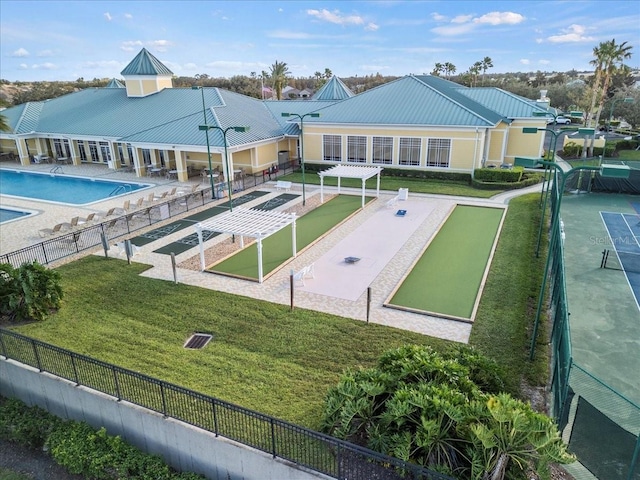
(416, 185)
(448, 275)
(278, 248)
(263, 356)
(6, 474)
(502, 325)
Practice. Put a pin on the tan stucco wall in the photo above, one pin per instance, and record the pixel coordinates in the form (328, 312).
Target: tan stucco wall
(134, 89)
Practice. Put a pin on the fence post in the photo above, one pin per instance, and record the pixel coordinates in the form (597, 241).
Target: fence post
(368, 302)
(164, 401)
(215, 417)
(75, 370)
(273, 438)
(115, 378)
(35, 352)
(4, 351)
(291, 284)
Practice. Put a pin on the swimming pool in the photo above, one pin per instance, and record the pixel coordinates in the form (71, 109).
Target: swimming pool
(10, 214)
(63, 188)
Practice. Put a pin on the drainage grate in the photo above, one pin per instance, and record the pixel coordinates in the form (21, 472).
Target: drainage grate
(198, 340)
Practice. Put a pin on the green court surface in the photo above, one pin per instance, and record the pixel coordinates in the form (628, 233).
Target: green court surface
(190, 241)
(446, 280)
(277, 248)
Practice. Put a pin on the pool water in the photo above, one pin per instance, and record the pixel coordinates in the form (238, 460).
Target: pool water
(62, 188)
(7, 215)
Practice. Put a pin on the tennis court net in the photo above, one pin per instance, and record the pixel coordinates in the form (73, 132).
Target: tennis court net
(629, 262)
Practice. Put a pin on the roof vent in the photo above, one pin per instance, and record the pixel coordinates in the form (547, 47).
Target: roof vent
(198, 340)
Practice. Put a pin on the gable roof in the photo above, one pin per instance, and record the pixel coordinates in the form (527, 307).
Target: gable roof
(334, 89)
(145, 64)
(113, 83)
(409, 101)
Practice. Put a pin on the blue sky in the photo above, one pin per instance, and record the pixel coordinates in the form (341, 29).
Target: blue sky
(65, 40)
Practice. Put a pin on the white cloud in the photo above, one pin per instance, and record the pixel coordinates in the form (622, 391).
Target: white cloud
(108, 16)
(437, 17)
(190, 66)
(372, 27)
(288, 35)
(44, 66)
(128, 16)
(462, 19)
(23, 66)
(280, 10)
(525, 61)
(131, 45)
(160, 45)
(104, 64)
(373, 68)
(574, 33)
(500, 18)
(544, 62)
(450, 30)
(21, 52)
(336, 17)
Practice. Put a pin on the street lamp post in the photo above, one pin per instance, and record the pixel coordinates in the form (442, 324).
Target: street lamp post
(619, 171)
(613, 104)
(224, 131)
(206, 131)
(301, 117)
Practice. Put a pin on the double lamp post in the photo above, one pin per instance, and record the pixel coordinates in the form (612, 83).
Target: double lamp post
(302, 117)
(224, 131)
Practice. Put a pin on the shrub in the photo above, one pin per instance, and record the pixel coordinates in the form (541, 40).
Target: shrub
(80, 448)
(29, 292)
(499, 175)
(626, 145)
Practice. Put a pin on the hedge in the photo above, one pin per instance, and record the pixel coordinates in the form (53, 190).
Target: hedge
(528, 179)
(80, 448)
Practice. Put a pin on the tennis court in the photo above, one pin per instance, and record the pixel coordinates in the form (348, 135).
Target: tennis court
(624, 255)
(605, 326)
(448, 277)
(278, 247)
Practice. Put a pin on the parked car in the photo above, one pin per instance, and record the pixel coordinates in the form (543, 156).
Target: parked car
(560, 120)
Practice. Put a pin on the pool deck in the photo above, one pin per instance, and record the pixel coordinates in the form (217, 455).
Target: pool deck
(356, 231)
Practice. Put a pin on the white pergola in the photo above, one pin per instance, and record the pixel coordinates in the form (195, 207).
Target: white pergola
(362, 172)
(243, 222)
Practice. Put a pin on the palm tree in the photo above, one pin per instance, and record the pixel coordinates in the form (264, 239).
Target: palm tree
(328, 73)
(486, 64)
(449, 69)
(474, 70)
(279, 72)
(618, 54)
(4, 124)
(437, 69)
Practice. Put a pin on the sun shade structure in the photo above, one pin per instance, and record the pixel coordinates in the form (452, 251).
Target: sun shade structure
(244, 222)
(351, 171)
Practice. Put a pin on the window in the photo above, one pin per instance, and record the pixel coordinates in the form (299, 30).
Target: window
(93, 150)
(409, 151)
(332, 146)
(106, 151)
(83, 153)
(146, 156)
(356, 149)
(382, 150)
(438, 152)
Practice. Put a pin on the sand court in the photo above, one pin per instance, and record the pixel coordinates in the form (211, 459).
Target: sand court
(375, 243)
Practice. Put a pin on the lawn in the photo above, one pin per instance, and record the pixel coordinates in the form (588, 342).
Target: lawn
(263, 356)
(416, 185)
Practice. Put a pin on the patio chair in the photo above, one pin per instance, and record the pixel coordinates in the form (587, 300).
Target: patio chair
(188, 190)
(162, 196)
(47, 232)
(90, 218)
(150, 199)
(108, 213)
(72, 224)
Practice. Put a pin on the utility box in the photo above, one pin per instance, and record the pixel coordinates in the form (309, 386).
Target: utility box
(283, 157)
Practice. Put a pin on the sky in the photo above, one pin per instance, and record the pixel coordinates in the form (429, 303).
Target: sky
(47, 40)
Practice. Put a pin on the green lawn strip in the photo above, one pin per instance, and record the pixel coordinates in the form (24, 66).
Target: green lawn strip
(262, 356)
(504, 320)
(277, 248)
(447, 277)
(416, 185)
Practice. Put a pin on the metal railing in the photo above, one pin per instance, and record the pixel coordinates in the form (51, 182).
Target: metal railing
(299, 445)
(62, 246)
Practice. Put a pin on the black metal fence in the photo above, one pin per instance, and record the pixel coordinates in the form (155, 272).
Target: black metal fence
(304, 447)
(79, 240)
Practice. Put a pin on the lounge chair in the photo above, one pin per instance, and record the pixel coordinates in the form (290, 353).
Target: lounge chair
(188, 190)
(108, 213)
(150, 199)
(72, 224)
(162, 196)
(47, 232)
(90, 218)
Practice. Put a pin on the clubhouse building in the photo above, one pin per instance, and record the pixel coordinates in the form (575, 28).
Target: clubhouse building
(417, 122)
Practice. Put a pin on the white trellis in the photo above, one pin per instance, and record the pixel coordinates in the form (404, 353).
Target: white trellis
(362, 172)
(243, 222)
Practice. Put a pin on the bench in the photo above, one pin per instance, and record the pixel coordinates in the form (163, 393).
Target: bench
(306, 272)
(283, 185)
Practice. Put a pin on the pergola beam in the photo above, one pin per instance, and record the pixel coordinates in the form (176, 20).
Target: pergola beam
(363, 172)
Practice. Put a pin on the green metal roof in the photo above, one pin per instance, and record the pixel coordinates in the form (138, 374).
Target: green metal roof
(113, 83)
(409, 101)
(299, 107)
(145, 64)
(505, 103)
(334, 89)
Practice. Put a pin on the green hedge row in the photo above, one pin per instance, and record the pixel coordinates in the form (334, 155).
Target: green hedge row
(498, 175)
(80, 448)
(528, 179)
(400, 172)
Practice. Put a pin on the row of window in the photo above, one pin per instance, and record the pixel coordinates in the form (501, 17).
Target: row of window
(409, 152)
(63, 149)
